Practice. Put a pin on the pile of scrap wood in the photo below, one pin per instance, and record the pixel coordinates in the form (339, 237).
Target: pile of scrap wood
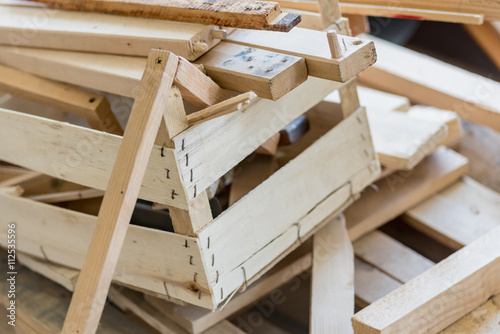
(227, 161)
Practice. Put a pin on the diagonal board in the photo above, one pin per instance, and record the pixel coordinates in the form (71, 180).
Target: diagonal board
(122, 193)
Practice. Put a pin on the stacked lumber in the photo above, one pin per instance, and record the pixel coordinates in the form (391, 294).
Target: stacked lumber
(212, 167)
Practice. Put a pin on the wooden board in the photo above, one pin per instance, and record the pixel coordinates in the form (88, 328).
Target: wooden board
(399, 192)
(235, 236)
(100, 33)
(357, 54)
(459, 214)
(232, 13)
(121, 75)
(487, 36)
(460, 283)
(483, 320)
(433, 82)
(269, 74)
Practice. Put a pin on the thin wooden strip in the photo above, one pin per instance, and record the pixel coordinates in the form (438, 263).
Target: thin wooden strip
(433, 82)
(357, 54)
(399, 192)
(269, 74)
(66, 196)
(101, 33)
(229, 13)
(82, 156)
(19, 179)
(460, 283)
(487, 36)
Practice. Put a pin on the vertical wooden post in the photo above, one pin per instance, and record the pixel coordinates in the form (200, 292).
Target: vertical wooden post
(123, 189)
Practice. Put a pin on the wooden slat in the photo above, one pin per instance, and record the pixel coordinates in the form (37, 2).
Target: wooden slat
(487, 36)
(121, 194)
(62, 236)
(433, 82)
(121, 74)
(82, 155)
(235, 240)
(90, 32)
(20, 179)
(232, 13)
(460, 283)
(332, 282)
(390, 256)
(483, 320)
(93, 106)
(459, 214)
(399, 192)
(269, 74)
(66, 196)
(358, 54)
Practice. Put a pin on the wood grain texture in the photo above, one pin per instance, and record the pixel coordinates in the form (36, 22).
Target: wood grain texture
(483, 320)
(121, 194)
(228, 13)
(101, 33)
(358, 54)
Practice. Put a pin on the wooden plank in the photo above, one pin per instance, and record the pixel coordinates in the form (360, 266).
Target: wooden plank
(390, 256)
(20, 179)
(214, 147)
(402, 141)
(67, 196)
(330, 185)
(332, 282)
(390, 10)
(487, 36)
(249, 14)
(101, 33)
(430, 81)
(62, 236)
(459, 214)
(43, 304)
(399, 192)
(121, 194)
(82, 155)
(358, 54)
(93, 106)
(269, 74)
(461, 282)
(483, 320)
(121, 75)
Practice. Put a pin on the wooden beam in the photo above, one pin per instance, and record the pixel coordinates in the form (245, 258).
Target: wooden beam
(83, 156)
(483, 320)
(487, 36)
(93, 106)
(398, 192)
(358, 54)
(460, 283)
(433, 82)
(332, 282)
(269, 74)
(66, 196)
(101, 33)
(121, 194)
(457, 215)
(248, 15)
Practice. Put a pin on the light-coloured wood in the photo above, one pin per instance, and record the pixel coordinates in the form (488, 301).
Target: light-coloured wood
(330, 13)
(82, 155)
(332, 282)
(487, 36)
(21, 179)
(483, 320)
(270, 146)
(121, 194)
(194, 218)
(248, 14)
(269, 74)
(459, 214)
(210, 149)
(66, 196)
(64, 276)
(399, 192)
(390, 256)
(390, 10)
(151, 260)
(41, 305)
(402, 141)
(358, 54)
(93, 106)
(234, 235)
(101, 33)
(433, 82)
(460, 283)
(238, 103)
(333, 42)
